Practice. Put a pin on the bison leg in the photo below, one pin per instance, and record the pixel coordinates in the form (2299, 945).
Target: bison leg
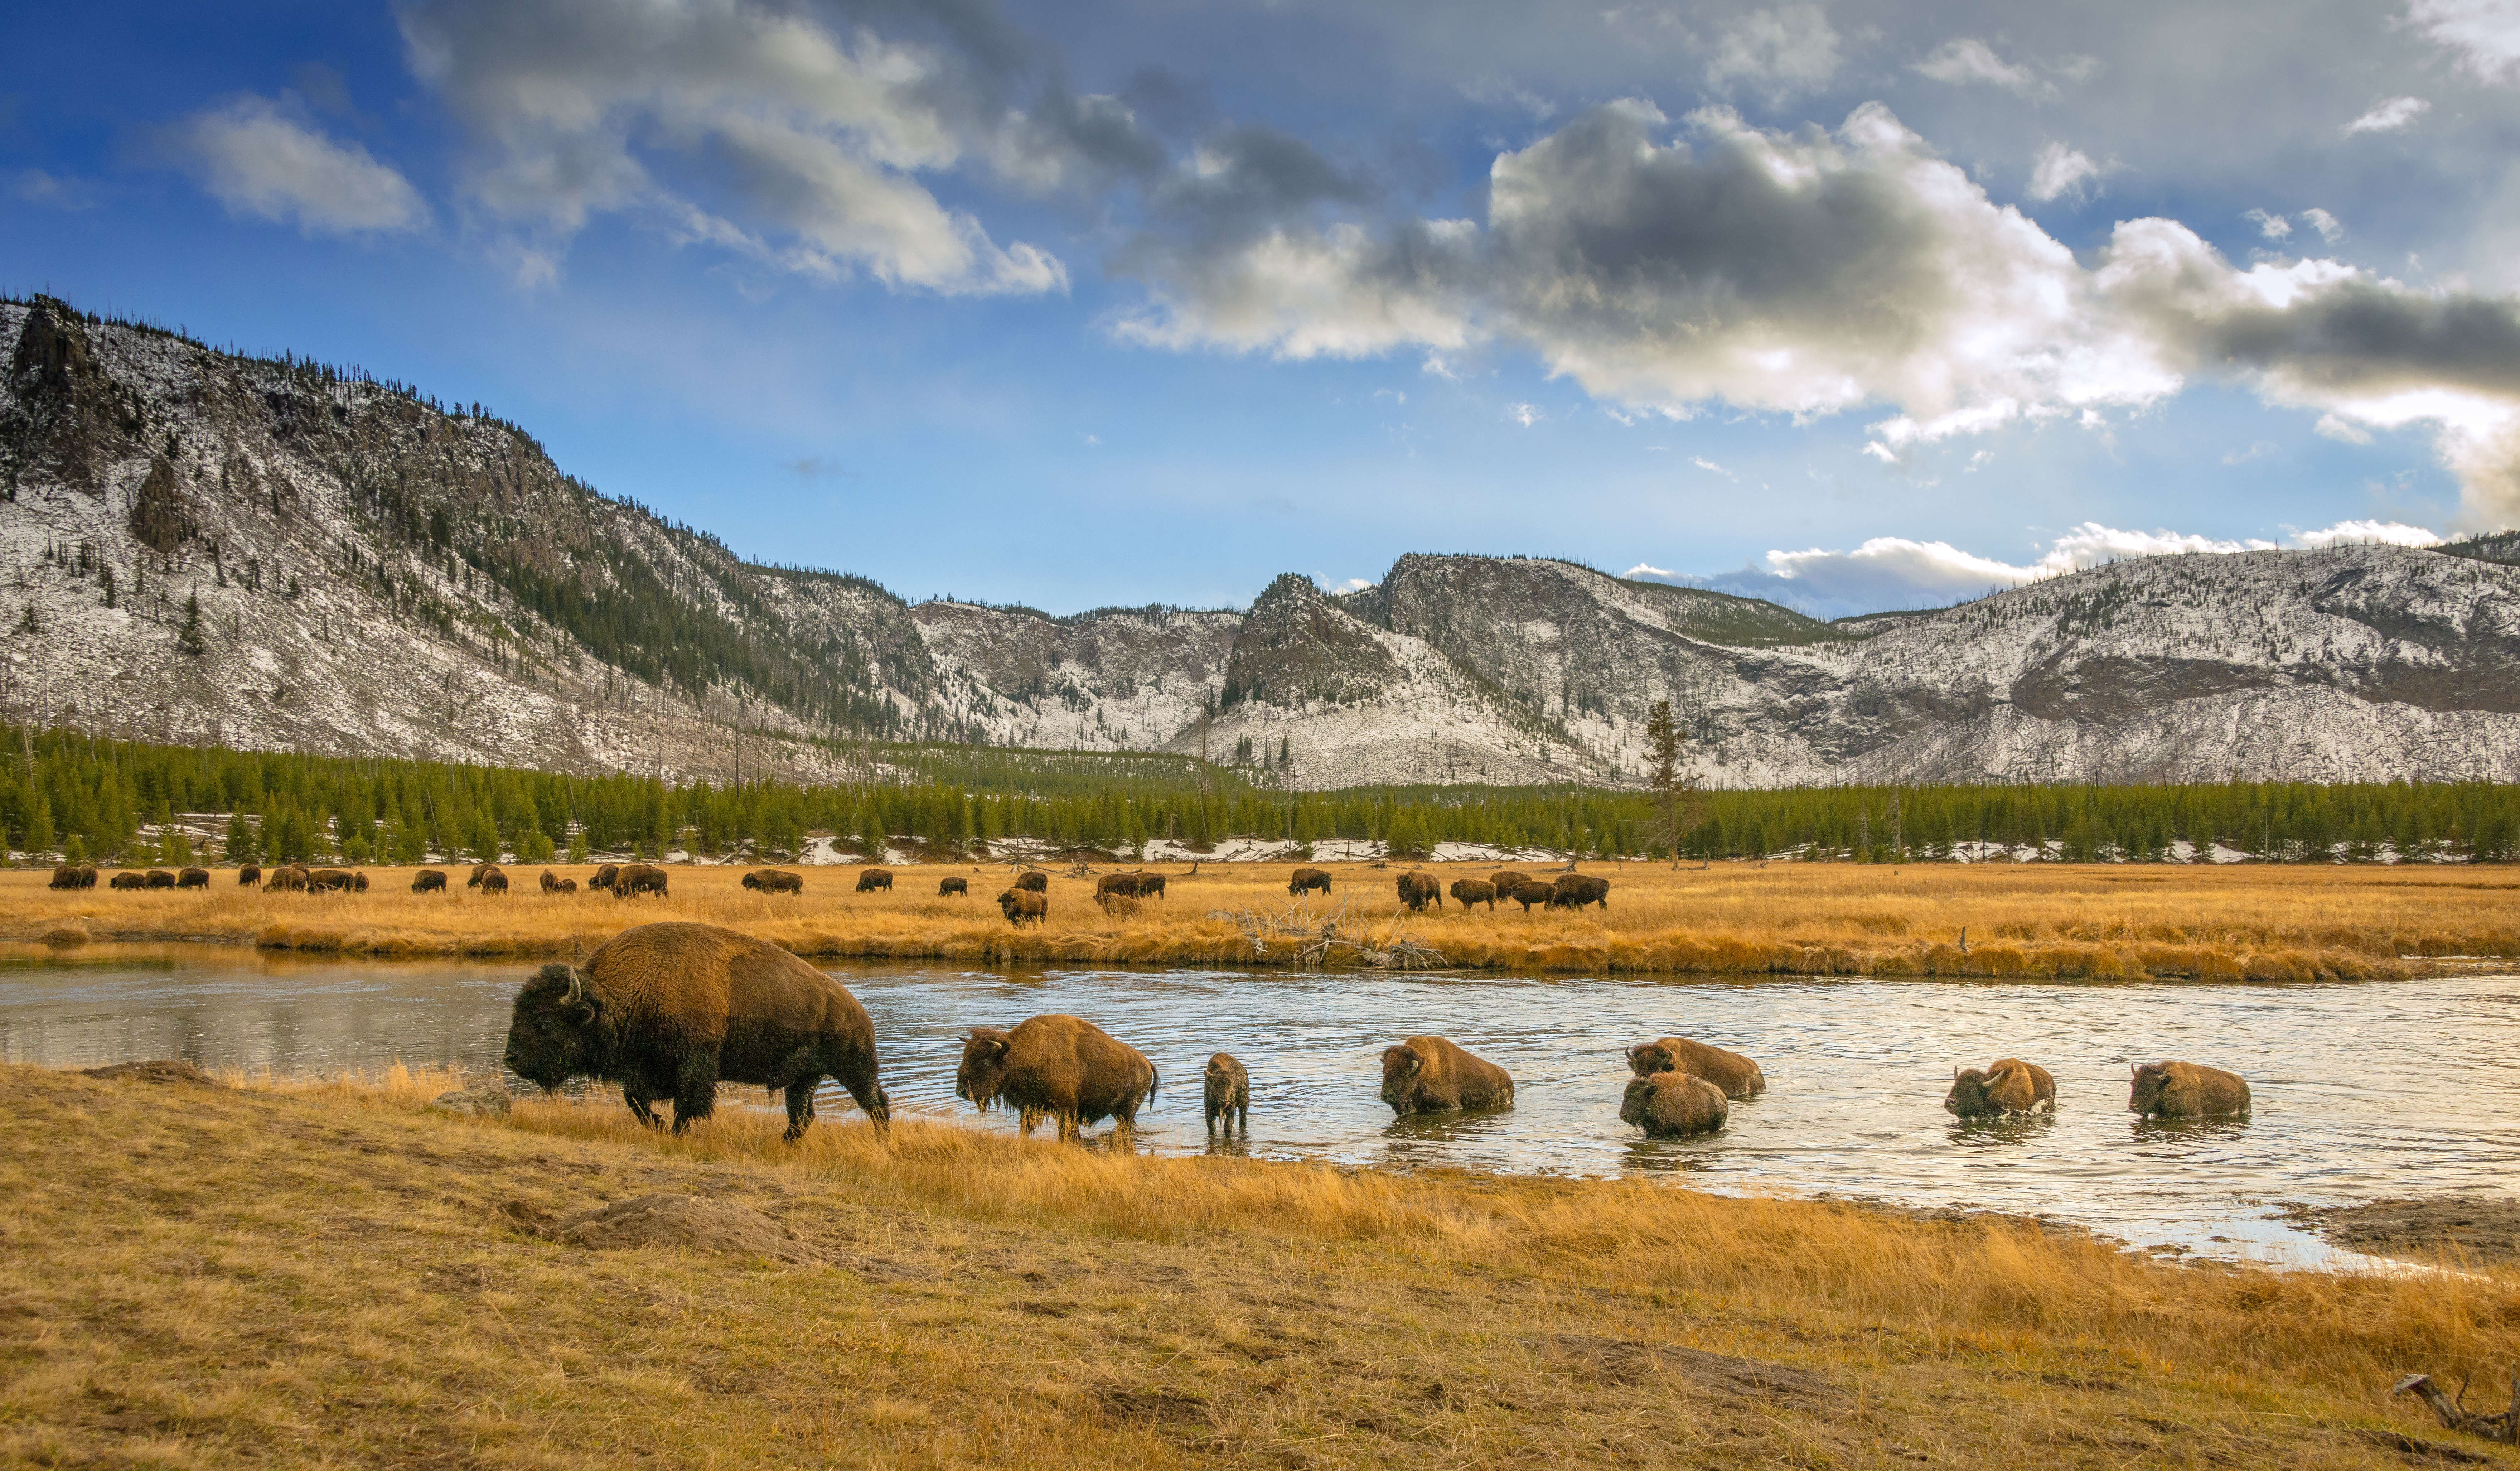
(637, 1099)
(1069, 1129)
(800, 1107)
(694, 1089)
(1242, 1113)
(1027, 1120)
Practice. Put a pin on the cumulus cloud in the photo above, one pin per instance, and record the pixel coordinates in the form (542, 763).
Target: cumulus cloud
(2060, 172)
(1781, 51)
(2484, 34)
(1970, 60)
(2272, 227)
(2389, 115)
(782, 133)
(259, 157)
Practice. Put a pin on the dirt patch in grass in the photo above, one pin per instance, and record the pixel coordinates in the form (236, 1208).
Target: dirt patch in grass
(2469, 1228)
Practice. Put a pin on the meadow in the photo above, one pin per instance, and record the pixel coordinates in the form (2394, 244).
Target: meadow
(2269, 922)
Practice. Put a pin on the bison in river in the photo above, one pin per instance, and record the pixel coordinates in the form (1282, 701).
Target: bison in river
(1306, 880)
(1427, 1074)
(603, 877)
(1061, 1067)
(1468, 892)
(193, 878)
(128, 881)
(875, 878)
(1529, 894)
(428, 881)
(1418, 890)
(1673, 1105)
(249, 875)
(670, 1010)
(2185, 1090)
(2010, 1086)
(1228, 1094)
(1735, 1075)
(775, 881)
(956, 886)
(1036, 881)
(1020, 904)
(1573, 890)
(636, 878)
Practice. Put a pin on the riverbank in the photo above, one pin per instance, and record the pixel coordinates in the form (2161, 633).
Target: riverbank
(201, 1276)
(2097, 922)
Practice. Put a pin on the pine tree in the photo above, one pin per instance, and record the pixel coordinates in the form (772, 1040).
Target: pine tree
(39, 827)
(870, 835)
(188, 639)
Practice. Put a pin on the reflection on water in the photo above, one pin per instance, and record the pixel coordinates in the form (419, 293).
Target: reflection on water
(2350, 1100)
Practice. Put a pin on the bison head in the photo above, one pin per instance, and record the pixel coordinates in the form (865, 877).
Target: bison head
(1401, 1066)
(2143, 1095)
(1645, 1059)
(1636, 1105)
(752, 881)
(552, 1035)
(984, 1067)
(1967, 1097)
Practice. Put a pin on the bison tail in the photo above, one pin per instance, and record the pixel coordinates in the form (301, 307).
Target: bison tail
(1153, 1077)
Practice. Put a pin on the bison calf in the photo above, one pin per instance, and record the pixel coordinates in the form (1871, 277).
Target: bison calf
(249, 875)
(1428, 1075)
(1020, 904)
(1060, 1067)
(1228, 1094)
(1674, 1106)
(959, 888)
(2010, 1086)
(2185, 1090)
(875, 878)
(1529, 894)
(1307, 880)
(670, 1010)
(428, 881)
(1738, 1076)
(1507, 881)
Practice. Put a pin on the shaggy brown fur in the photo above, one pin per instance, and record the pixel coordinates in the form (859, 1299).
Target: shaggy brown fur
(1418, 890)
(1060, 1067)
(1673, 1105)
(494, 880)
(1529, 894)
(636, 878)
(1307, 880)
(1428, 1075)
(1737, 1076)
(959, 888)
(775, 881)
(1468, 892)
(428, 881)
(1020, 904)
(193, 878)
(1036, 880)
(872, 879)
(1228, 1094)
(2010, 1086)
(2185, 1090)
(1576, 889)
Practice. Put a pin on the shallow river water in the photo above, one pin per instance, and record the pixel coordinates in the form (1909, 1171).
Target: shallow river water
(2361, 1091)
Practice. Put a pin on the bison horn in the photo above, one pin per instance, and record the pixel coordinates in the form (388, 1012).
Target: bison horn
(576, 984)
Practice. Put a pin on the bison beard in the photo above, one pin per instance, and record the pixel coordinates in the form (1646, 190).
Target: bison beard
(670, 1010)
(1059, 1067)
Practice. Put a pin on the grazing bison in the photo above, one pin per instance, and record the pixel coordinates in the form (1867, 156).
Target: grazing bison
(1306, 880)
(1036, 880)
(1573, 890)
(1418, 890)
(494, 880)
(428, 881)
(288, 878)
(1150, 886)
(1061, 1067)
(550, 882)
(636, 878)
(1507, 881)
(193, 878)
(775, 881)
(249, 875)
(329, 880)
(2185, 1090)
(1673, 1105)
(1529, 894)
(1468, 892)
(66, 876)
(84, 876)
(603, 877)
(670, 1010)
(473, 880)
(873, 878)
(159, 878)
(1125, 884)
(2010, 1086)
(1020, 904)
(359, 882)
(1738, 1076)
(128, 881)
(568, 885)
(1228, 1094)
(958, 888)
(1427, 1074)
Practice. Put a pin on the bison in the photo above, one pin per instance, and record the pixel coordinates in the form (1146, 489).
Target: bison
(875, 878)
(159, 878)
(775, 881)
(1507, 881)
(249, 875)
(1125, 884)
(86, 875)
(568, 885)
(428, 881)
(550, 882)
(1306, 880)
(670, 1010)
(1150, 886)
(603, 877)
(128, 881)
(193, 878)
(329, 880)
(359, 882)
(2185, 1090)
(2010, 1086)
(1427, 1074)
(1673, 1105)
(1573, 890)
(1020, 904)
(1228, 1094)
(635, 878)
(1418, 890)
(1531, 893)
(65, 876)
(958, 886)
(1061, 1067)
(473, 880)
(494, 880)
(288, 878)
(1738, 1076)
(1468, 892)
(1035, 881)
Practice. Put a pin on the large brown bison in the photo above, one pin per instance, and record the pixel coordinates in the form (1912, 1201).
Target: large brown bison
(1307, 880)
(775, 881)
(1020, 904)
(1061, 1067)
(159, 878)
(68, 876)
(2185, 1090)
(2010, 1086)
(329, 880)
(604, 878)
(288, 878)
(1573, 890)
(955, 886)
(494, 880)
(1531, 893)
(636, 878)
(428, 881)
(1428, 1075)
(479, 870)
(1738, 1076)
(128, 881)
(249, 875)
(550, 882)
(1036, 880)
(1673, 1105)
(1124, 885)
(1507, 881)
(875, 878)
(671, 1010)
(1150, 886)
(1418, 890)
(193, 878)
(1468, 892)
(1228, 1094)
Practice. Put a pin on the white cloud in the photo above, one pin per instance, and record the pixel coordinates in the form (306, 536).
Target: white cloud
(2328, 226)
(2365, 533)
(1783, 50)
(2272, 227)
(257, 158)
(2330, 427)
(1968, 60)
(2486, 34)
(1523, 413)
(1703, 463)
(1649, 573)
(2061, 171)
(2262, 449)
(2389, 115)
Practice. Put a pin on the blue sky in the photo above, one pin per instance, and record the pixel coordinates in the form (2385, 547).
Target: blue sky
(1853, 306)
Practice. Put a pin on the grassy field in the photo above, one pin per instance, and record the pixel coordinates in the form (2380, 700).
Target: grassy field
(328, 1274)
(2047, 920)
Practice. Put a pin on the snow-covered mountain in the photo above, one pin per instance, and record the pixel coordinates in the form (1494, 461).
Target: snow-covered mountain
(203, 548)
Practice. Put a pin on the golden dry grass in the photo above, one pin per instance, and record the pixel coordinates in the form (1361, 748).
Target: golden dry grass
(327, 1275)
(2240, 921)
